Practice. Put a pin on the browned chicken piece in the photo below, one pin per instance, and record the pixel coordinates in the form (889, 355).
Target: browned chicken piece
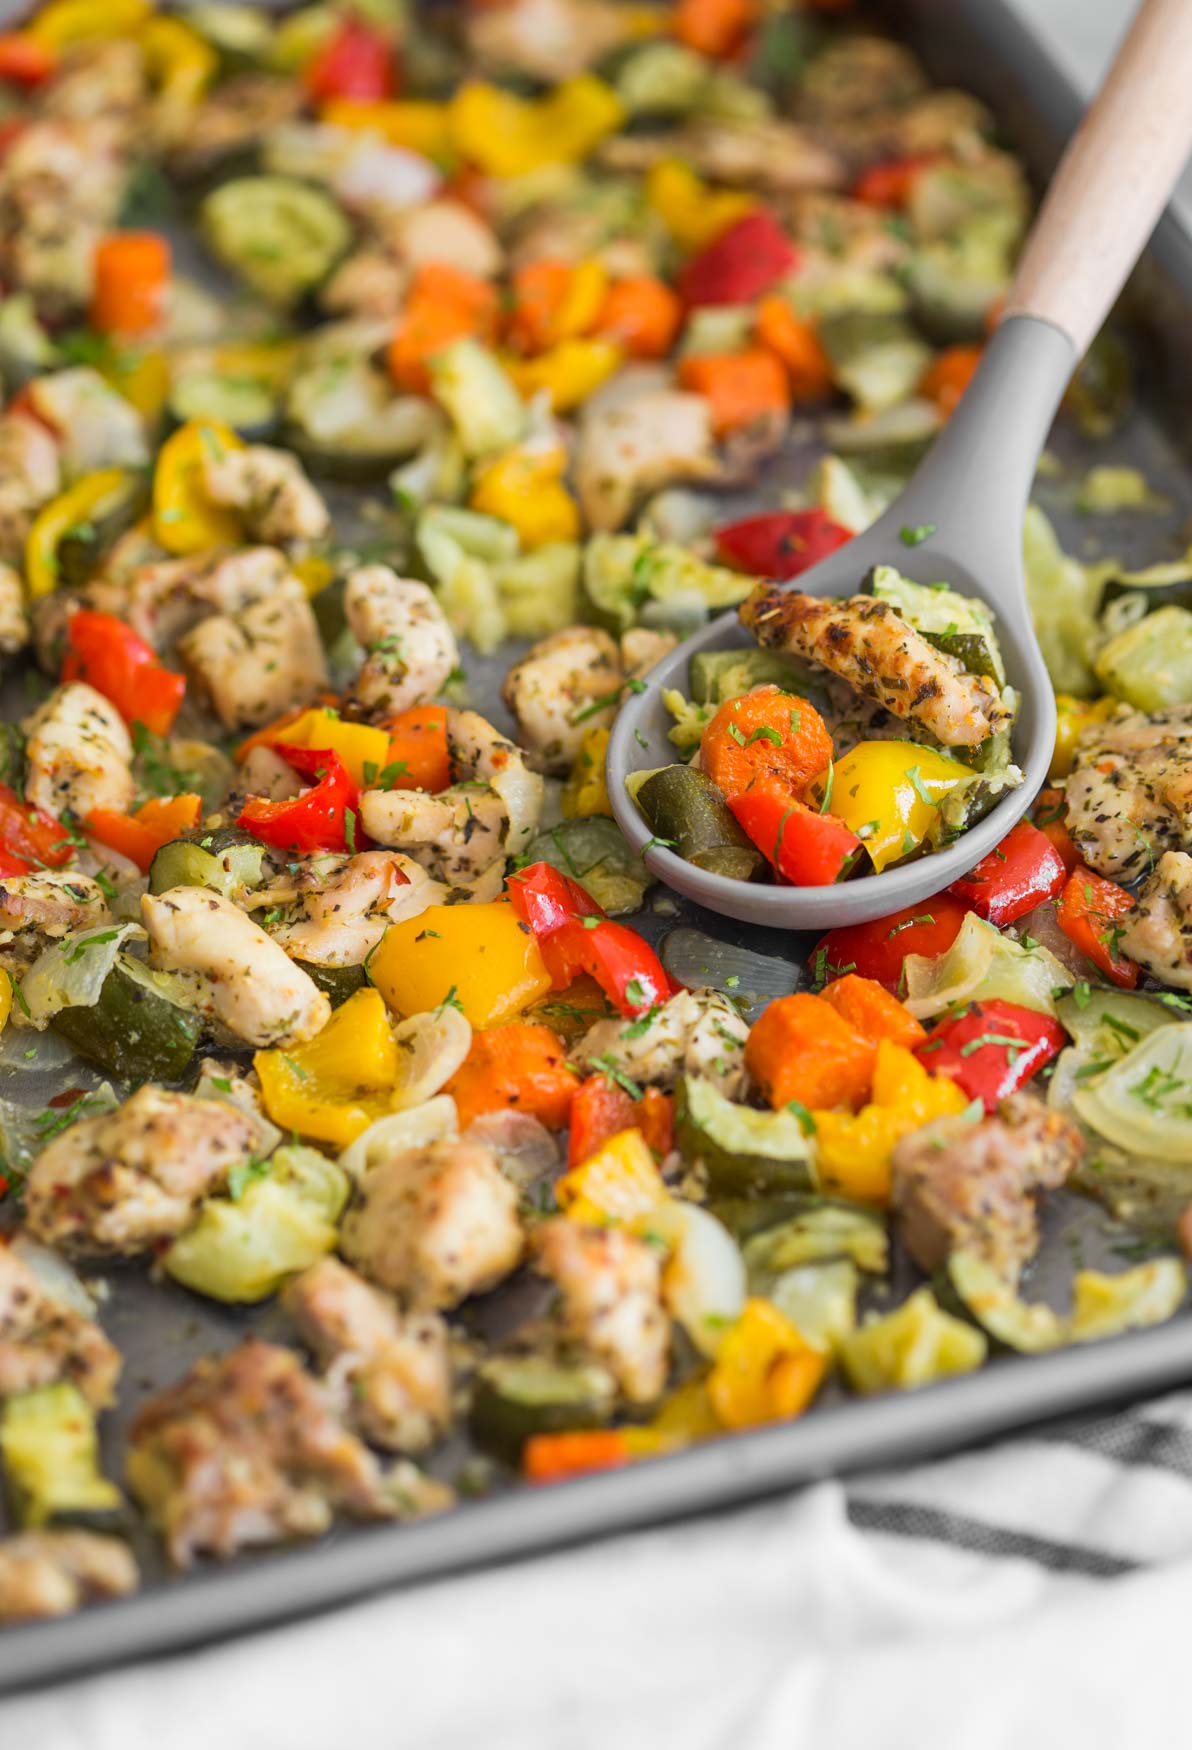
(855, 75)
(1129, 795)
(962, 1186)
(118, 1183)
(564, 687)
(1158, 934)
(14, 621)
(78, 754)
(255, 664)
(269, 487)
(163, 598)
(105, 79)
(435, 1224)
(238, 113)
(61, 184)
(30, 475)
(248, 1449)
(371, 282)
(50, 904)
(45, 1341)
(633, 447)
(771, 156)
(868, 644)
(390, 1371)
(51, 1573)
(548, 40)
(610, 1293)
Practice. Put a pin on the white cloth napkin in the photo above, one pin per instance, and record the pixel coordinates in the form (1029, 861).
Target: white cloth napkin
(1036, 1592)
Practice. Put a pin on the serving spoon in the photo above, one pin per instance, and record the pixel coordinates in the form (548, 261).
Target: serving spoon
(971, 489)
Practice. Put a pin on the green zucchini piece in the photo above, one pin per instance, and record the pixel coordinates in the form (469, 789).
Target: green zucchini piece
(597, 854)
(877, 358)
(241, 35)
(683, 805)
(83, 547)
(1155, 586)
(250, 407)
(817, 1234)
(1102, 1306)
(339, 982)
(1150, 664)
(517, 1396)
(479, 396)
(1030, 1327)
(50, 1453)
(228, 861)
(914, 1345)
(719, 675)
(26, 350)
(135, 1031)
(280, 235)
(820, 1300)
(743, 1150)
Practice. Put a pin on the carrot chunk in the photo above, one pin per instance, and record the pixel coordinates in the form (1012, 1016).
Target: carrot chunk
(868, 1006)
(801, 1049)
(521, 1067)
(766, 731)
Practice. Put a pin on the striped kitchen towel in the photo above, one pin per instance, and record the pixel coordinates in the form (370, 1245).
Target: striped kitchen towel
(1036, 1592)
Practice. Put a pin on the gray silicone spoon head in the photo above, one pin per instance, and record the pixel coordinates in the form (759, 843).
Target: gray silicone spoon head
(974, 484)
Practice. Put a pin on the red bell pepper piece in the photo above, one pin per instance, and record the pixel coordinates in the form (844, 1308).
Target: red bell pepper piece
(780, 543)
(118, 663)
(878, 949)
(11, 866)
(357, 62)
(992, 1049)
(891, 183)
(575, 936)
(323, 818)
(1050, 815)
(807, 848)
(1088, 911)
(1017, 875)
(31, 838)
(742, 264)
(601, 1108)
(24, 60)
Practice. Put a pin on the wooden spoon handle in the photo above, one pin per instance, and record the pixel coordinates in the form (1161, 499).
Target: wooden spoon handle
(1114, 179)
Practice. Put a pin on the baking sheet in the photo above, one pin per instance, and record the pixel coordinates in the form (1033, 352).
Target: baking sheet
(161, 1329)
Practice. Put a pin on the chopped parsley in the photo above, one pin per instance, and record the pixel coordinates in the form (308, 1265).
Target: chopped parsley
(914, 534)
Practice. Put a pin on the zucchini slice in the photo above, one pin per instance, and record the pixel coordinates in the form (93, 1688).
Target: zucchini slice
(135, 1031)
(516, 1396)
(280, 235)
(50, 1452)
(339, 982)
(685, 806)
(228, 861)
(743, 1150)
(249, 407)
(83, 547)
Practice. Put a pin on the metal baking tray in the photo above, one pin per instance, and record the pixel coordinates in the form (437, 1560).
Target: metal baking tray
(162, 1329)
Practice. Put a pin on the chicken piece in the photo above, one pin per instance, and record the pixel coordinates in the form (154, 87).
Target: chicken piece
(264, 773)
(610, 1290)
(269, 488)
(14, 621)
(30, 475)
(52, 1573)
(435, 1224)
(51, 904)
(44, 1340)
(347, 907)
(696, 1033)
(237, 114)
(369, 283)
(566, 685)
(1129, 795)
(548, 40)
(99, 427)
(642, 648)
(79, 754)
(443, 232)
(390, 1370)
(256, 664)
(248, 1449)
(1158, 935)
(409, 648)
(164, 598)
(758, 153)
(61, 184)
(98, 79)
(456, 836)
(868, 644)
(118, 1183)
(628, 450)
(249, 982)
(962, 1186)
(856, 74)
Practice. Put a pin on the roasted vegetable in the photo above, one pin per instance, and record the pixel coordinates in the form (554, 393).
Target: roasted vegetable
(50, 1455)
(517, 1396)
(137, 1029)
(684, 808)
(227, 860)
(282, 236)
(743, 1150)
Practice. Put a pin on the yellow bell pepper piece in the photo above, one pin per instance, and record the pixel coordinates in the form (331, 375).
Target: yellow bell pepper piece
(339, 1082)
(693, 213)
(5, 1000)
(143, 378)
(852, 1153)
(620, 1182)
(266, 361)
(889, 793)
(569, 372)
(313, 572)
(415, 127)
(586, 292)
(764, 1371)
(185, 520)
(507, 135)
(687, 1414)
(78, 504)
(1072, 717)
(178, 61)
(66, 22)
(478, 956)
(526, 490)
(586, 791)
(363, 749)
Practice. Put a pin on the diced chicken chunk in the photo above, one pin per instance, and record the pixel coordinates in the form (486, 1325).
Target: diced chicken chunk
(868, 644)
(14, 621)
(1158, 935)
(445, 232)
(79, 754)
(409, 649)
(248, 1449)
(549, 40)
(118, 1183)
(758, 153)
(455, 835)
(642, 647)
(370, 282)
(53, 903)
(99, 427)
(270, 490)
(610, 1287)
(249, 981)
(347, 907)
(971, 1187)
(392, 1370)
(696, 1033)
(630, 449)
(435, 1225)
(255, 664)
(163, 598)
(1129, 796)
(565, 686)
(44, 1340)
(237, 114)
(30, 475)
(61, 183)
(52, 1573)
